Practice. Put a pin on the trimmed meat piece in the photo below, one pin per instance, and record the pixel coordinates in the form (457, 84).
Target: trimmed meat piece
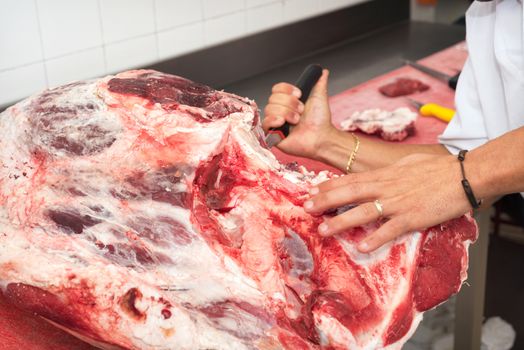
(403, 87)
(390, 125)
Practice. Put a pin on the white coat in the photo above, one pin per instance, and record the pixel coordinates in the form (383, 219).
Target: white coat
(490, 92)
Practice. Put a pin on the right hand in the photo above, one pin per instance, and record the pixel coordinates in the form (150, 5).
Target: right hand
(311, 122)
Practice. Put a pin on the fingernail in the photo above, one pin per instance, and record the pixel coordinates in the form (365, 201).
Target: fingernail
(363, 246)
(296, 118)
(313, 191)
(308, 205)
(322, 228)
(297, 93)
(301, 107)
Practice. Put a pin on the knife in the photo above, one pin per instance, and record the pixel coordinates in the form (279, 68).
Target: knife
(305, 83)
(433, 110)
(172, 288)
(448, 79)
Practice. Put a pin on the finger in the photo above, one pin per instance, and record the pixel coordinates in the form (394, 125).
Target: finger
(338, 182)
(343, 181)
(320, 90)
(348, 194)
(352, 178)
(272, 122)
(286, 88)
(358, 216)
(387, 232)
(286, 100)
(290, 115)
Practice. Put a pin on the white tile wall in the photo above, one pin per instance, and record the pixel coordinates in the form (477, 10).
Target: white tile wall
(44, 43)
(68, 26)
(330, 5)
(19, 35)
(224, 28)
(180, 40)
(298, 9)
(124, 19)
(21, 82)
(79, 65)
(131, 53)
(264, 17)
(214, 8)
(255, 3)
(173, 13)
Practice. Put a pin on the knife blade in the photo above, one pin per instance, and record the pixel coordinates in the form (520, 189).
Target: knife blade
(172, 288)
(305, 83)
(448, 79)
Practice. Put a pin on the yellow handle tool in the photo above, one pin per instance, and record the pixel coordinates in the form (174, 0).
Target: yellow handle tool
(434, 110)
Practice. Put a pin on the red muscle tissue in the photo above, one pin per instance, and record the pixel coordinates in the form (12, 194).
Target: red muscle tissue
(402, 87)
(143, 211)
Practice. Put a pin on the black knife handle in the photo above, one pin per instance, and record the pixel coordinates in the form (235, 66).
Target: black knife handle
(305, 83)
(307, 80)
(452, 83)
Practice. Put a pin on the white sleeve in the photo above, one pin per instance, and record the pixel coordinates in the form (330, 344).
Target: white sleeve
(467, 129)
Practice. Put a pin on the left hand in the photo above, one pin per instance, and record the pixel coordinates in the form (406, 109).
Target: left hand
(417, 192)
(312, 122)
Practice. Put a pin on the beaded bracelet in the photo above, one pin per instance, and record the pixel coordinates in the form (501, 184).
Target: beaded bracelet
(465, 183)
(353, 154)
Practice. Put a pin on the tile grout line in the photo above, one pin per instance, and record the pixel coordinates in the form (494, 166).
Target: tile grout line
(101, 22)
(245, 17)
(204, 31)
(180, 26)
(44, 65)
(226, 14)
(155, 21)
(203, 19)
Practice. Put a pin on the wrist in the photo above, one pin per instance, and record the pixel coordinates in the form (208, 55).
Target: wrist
(473, 200)
(484, 182)
(333, 148)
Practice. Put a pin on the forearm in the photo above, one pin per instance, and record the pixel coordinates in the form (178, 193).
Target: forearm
(372, 154)
(497, 167)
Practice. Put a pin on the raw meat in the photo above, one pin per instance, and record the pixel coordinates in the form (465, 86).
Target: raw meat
(390, 125)
(403, 87)
(143, 211)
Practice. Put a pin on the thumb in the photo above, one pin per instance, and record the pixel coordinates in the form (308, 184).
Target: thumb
(320, 89)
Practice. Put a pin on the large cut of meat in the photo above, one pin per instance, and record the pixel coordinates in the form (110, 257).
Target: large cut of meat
(143, 211)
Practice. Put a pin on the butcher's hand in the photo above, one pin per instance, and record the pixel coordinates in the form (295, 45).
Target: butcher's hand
(417, 192)
(311, 122)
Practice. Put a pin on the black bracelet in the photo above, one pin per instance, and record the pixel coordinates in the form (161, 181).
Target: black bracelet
(465, 183)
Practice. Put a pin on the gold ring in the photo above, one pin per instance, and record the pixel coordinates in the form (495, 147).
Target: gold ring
(379, 207)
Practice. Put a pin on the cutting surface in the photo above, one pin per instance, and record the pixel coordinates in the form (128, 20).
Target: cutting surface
(366, 96)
